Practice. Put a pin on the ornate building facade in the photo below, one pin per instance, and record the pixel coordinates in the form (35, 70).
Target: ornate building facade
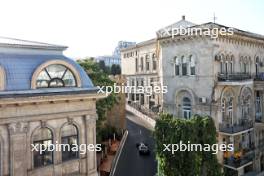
(221, 77)
(45, 98)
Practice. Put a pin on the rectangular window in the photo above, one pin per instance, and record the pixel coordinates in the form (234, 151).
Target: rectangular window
(147, 65)
(142, 63)
(136, 65)
(154, 64)
(147, 62)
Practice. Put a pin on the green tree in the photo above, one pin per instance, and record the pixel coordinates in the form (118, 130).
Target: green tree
(198, 130)
(99, 78)
(104, 68)
(115, 69)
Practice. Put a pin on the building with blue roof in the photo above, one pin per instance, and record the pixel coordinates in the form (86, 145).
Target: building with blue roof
(45, 99)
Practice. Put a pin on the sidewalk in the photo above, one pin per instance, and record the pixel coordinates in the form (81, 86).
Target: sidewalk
(105, 167)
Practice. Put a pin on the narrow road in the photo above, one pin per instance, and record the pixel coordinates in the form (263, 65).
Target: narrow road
(130, 162)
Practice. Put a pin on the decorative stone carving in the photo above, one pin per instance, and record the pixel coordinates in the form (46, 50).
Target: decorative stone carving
(19, 127)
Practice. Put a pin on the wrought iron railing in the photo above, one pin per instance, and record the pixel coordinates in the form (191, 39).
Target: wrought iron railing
(243, 124)
(238, 76)
(238, 161)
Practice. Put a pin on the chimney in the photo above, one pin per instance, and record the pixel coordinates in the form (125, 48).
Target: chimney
(183, 17)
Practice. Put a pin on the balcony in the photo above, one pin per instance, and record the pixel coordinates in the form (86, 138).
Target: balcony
(234, 78)
(259, 77)
(244, 124)
(239, 159)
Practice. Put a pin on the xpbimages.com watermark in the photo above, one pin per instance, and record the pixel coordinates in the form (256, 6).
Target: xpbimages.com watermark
(147, 90)
(172, 148)
(82, 148)
(202, 31)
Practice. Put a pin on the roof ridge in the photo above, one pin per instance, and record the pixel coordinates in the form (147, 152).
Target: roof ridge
(31, 41)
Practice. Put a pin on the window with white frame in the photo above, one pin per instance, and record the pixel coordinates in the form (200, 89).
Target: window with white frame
(186, 108)
(56, 75)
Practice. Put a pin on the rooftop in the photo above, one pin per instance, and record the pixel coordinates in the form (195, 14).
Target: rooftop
(18, 43)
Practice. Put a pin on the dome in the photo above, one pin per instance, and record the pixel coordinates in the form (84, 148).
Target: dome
(19, 69)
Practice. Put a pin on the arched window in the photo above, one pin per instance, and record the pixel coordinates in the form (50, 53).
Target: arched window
(257, 65)
(56, 75)
(258, 106)
(223, 109)
(230, 110)
(192, 65)
(222, 64)
(69, 137)
(227, 102)
(184, 66)
(177, 66)
(231, 65)
(186, 108)
(42, 137)
(246, 103)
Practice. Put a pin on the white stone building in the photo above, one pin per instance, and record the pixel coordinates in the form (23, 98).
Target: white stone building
(221, 77)
(140, 65)
(44, 98)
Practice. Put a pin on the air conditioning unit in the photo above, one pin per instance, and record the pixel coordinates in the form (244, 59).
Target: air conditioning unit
(202, 100)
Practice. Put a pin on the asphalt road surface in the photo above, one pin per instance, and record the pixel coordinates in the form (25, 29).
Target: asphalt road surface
(130, 162)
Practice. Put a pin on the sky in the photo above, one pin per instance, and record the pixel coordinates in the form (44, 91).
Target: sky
(94, 27)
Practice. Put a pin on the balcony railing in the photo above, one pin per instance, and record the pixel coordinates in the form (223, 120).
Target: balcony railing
(237, 160)
(239, 76)
(259, 76)
(244, 124)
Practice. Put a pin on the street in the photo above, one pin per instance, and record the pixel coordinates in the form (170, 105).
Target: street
(130, 162)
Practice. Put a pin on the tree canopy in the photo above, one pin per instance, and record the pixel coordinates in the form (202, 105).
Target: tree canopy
(99, 77)
(198, 130)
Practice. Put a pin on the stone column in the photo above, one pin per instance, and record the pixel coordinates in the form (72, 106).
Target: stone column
(91, 139)
(18, 148)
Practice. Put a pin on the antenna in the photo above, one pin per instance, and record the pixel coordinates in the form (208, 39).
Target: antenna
(214, 18)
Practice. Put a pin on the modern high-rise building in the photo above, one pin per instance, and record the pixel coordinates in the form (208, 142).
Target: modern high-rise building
(217, 75)
(115, 58)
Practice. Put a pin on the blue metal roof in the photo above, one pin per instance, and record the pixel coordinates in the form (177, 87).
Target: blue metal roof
(20, 68)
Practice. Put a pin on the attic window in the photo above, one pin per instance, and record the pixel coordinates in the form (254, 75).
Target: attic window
(56, 75)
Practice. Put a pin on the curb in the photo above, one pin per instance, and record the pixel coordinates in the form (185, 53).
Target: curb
(144, 117)
(118, 153)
